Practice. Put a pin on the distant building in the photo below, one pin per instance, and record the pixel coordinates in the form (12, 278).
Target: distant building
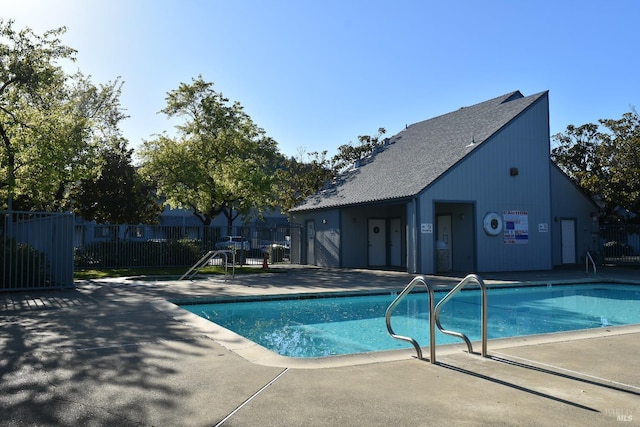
(473, 190)
(175, 224)
(185, 217)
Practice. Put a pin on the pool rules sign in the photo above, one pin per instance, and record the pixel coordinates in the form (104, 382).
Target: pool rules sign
(516, 227)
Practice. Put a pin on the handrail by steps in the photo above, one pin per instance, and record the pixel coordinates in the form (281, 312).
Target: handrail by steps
(452, 292)
(593, 263)
(205, 259)
(432, 332)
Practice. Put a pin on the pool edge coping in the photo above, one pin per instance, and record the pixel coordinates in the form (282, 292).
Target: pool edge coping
(260, 355)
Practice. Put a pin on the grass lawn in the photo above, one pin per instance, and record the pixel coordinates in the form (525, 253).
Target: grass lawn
(161, 271)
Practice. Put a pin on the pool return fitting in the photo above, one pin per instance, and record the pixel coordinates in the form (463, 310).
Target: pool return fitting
(434, 315)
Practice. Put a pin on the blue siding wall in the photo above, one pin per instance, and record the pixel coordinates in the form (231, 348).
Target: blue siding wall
(481, 183)
(354, 242)
(568, 202)
(327, 237)
(484, 179)
(341, 234)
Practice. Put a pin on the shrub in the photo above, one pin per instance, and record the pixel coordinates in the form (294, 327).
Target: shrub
(21, 266)
(139, 253)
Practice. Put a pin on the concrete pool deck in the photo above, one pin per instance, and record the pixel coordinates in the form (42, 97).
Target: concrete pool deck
(113, 352)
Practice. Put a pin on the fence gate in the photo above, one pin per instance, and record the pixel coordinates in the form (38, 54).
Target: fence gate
(37, 250)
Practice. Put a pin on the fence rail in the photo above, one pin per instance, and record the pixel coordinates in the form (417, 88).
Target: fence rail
(620, 244)
(126, 246)
(36, 250)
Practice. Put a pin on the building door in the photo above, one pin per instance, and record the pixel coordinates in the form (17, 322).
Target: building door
(568, 233)
(395, 242)
(444, 243)
(311, 242)
(377, 242)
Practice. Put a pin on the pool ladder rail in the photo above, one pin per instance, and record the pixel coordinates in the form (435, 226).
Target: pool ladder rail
(432, 332)
(202, 262)
(434, 315)
(593, 263)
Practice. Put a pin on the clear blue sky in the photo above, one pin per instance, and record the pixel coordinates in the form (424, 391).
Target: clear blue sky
(316, 74)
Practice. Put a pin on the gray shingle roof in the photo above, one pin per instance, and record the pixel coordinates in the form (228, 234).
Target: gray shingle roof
(418, 155)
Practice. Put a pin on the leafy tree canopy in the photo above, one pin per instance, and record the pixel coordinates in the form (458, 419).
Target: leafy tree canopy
(116, 193)
(220, 162)
(301, 177)
(305, 175)
(604, 159)
(50, 123)
(349, 154)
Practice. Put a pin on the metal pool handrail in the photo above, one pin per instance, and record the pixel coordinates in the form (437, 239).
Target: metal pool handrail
(593, 263)
(452, 292)
(432, 331)
(202, 262)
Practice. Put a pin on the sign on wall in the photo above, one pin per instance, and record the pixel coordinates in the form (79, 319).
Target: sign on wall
(516, 227)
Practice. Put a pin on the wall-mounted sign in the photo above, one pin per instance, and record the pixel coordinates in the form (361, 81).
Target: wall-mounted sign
(426, 228)
(543, 228)
(516, 227)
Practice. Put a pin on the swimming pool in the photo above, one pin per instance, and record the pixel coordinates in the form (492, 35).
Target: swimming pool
(323, 325)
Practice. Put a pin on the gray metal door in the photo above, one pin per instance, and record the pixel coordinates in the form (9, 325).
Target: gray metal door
(311, 242)
(395, 242)
(377, 242)
(444, 243)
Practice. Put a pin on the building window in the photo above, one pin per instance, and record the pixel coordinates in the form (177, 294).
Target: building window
(103, 231)
(135, 231)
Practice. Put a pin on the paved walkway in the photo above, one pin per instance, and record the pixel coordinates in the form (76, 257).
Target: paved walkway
(113, 352)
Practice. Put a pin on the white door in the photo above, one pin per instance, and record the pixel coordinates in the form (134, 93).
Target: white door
(443, 251)
(395, 242)
(568, 227)
(377, 242)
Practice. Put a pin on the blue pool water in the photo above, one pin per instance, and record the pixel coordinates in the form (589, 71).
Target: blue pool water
(327, 326)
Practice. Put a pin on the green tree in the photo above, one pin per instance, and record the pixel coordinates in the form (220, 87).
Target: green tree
(301, 177)
(66, 145)
(621, 152)
(604, 160)
(349, 154)
(220, 162)
(31, 85)
(51, 123)
(116, 193)
(579, 154)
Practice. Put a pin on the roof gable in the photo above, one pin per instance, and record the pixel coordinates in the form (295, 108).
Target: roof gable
(573, 184)
(414, 158)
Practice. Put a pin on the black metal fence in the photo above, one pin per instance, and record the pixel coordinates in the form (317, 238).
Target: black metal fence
(36, 250)
(620, 244)
(126, 246)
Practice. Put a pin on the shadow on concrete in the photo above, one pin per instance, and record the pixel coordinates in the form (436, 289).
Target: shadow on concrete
(515, 386)
(66, 360)
(562, 375)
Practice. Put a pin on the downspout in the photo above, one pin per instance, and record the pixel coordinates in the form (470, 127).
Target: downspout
(416, 246)
(340, 251)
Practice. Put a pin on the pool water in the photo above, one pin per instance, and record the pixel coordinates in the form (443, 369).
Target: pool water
(327, 326)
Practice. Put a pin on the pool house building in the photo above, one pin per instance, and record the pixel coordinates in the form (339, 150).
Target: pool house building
(473, 190)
